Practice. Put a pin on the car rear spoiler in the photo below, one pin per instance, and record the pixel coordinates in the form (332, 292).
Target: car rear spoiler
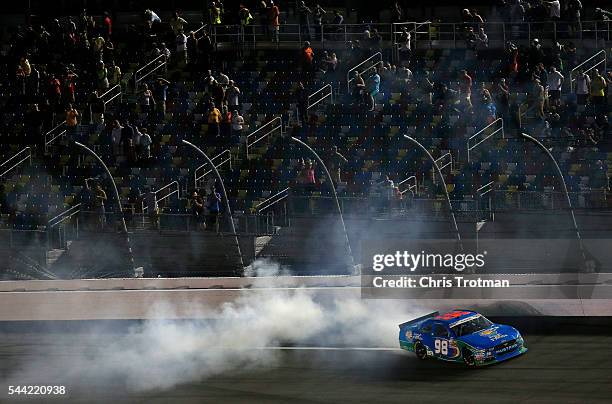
(416, 320)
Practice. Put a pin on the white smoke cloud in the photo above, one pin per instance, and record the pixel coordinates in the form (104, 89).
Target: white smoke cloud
(163, 354)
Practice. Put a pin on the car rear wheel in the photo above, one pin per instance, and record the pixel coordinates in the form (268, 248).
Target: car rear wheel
(420, 351)
(468, 358)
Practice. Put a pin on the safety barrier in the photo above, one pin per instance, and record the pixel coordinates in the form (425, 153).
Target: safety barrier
(57, 221)
(58, 131)
(168, 195)
(591, 63)
(24, 154)
(412, 185)
(470, 142)
(355, 68)
(219, 160)
(321, 98)
(148, 69)
(257, 136)
(273, 200)
(112, 94)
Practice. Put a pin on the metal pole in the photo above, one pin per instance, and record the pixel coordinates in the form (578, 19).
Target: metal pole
(333, 188)
(227, 205)
(120, 212)
(450, 205)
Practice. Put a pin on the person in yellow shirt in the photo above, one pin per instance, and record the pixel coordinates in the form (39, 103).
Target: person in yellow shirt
(214, 119)
(598, 88)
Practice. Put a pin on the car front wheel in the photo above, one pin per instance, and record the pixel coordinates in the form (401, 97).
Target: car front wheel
(468, 358)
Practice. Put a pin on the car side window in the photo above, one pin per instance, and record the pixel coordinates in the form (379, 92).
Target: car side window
(440, 331)
(426, 328)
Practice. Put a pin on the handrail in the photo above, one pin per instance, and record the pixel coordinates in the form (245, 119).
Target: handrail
(410, 186)
(330, 95)
(472, 147)
(197, 31)
(278, 126)
(488, 186)
(49, 134)
(352, 69)
(116, 86)
(29, 156)
(65, 215)
(441, 158)
(176, 191)
(273, 200)
(156, 59)
(604, 61)
(228, 159)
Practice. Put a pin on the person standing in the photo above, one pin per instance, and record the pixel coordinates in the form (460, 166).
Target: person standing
(237, 126)
(274, 19)
(231, 95)
(214, 119)
(213, 205)
(582, 87)
(72, 123)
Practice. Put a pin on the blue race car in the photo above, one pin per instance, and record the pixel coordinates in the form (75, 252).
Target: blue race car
(461, 336)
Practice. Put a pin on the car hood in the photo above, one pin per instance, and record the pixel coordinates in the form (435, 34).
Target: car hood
(490, 337)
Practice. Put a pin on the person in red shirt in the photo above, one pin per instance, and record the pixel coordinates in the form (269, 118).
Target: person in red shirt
(307, 56)
(108, 25)
(274, 18)
(465, 86)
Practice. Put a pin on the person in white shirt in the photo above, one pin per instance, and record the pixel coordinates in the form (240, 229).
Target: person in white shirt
(231, 95)
(136, 140)
(554, 9)
(116, 136)
(582, 87)
(181, 47)
(237, 125)
(554, 84)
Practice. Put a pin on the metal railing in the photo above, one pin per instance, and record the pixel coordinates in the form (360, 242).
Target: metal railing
(224, 157)
(112, 96)
(255, 137)
(51, 135)
(152, 67)
(485, 189)
(321, 98)
(377, 55)
(397, 30)
(168, 195)
(471, 139)
(436, 34)
(593, 66)
(412, 184)
(273, 200)
(58, 220)
(24, 154)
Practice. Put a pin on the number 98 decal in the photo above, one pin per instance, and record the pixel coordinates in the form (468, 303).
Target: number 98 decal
(441, 346)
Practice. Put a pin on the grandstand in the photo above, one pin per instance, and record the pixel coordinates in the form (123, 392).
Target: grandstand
(465, 87)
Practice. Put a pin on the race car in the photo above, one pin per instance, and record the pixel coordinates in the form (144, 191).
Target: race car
(461, 336)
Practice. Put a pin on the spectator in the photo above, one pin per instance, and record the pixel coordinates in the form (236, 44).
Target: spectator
(151, 18)
(231, 95)
(304, 18)
(274, 19)
(555, 83)
(225, 126)
(114, 74)
(358, 90)
(181, 48)
(192, 49)
(107, 23)
(97, 108)
(99, 198)
(598, 89)
(503, 98)
(319, 14)
(127, 139)
(197, 210)
(145, 144)
(148, 101)
(102, 76)
(582, 87)
(307, 57)
(465, 88)
(116, 136)
(161, 94)
(335, 163)
(574, 10)
(215, 13)
(302, 103)
(72, 122)
(214, 119)
(237, 125)
(554, 10)
(373, 88)
(177, 23)
(213, 205)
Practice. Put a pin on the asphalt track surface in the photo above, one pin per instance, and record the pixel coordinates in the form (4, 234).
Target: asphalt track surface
(558, 368)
